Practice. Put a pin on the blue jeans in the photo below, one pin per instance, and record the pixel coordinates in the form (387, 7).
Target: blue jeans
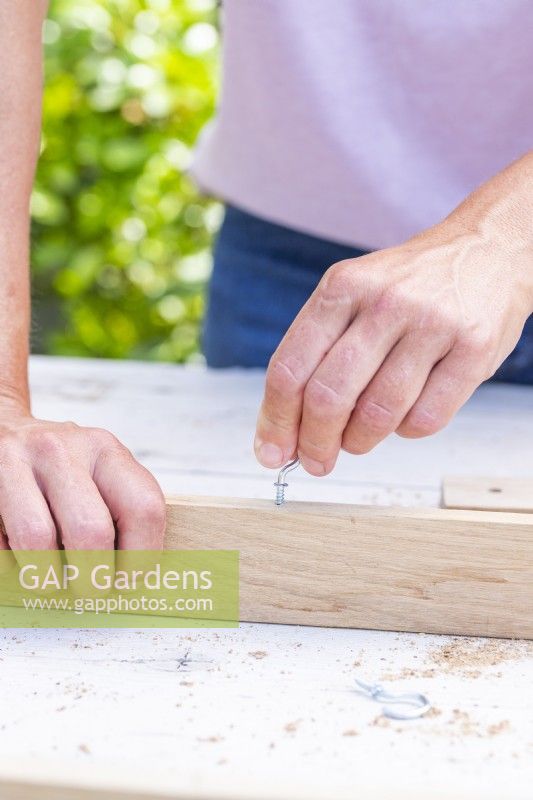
(264, 273)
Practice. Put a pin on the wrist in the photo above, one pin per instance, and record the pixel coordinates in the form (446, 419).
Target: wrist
(14, 401)
(517, 252)
(496, 217)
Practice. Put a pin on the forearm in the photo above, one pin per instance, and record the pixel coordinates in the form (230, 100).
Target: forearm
(20, 118)
(500, 212)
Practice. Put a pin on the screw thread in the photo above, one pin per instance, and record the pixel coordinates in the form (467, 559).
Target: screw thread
(280, 493)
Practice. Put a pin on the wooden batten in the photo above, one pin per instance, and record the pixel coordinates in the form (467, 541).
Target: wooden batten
(427, 570)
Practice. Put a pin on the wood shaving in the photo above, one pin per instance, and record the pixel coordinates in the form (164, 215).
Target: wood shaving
(292, 727)
(432, 713)
(210, 739)
(499, 727)
(380, 722)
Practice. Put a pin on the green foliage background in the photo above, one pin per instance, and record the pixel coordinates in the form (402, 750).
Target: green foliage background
(121, 239)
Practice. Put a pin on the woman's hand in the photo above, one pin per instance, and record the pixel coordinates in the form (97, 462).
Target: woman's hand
(398, 340)
(60, 483)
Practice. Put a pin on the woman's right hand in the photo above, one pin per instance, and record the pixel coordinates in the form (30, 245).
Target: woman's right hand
(80, 487)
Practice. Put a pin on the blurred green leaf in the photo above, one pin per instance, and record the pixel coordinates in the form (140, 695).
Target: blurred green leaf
(121, 238)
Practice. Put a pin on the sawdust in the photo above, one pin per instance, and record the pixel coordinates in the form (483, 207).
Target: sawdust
(462, 723)
(499, 727)
(380, 722)
(210, 739)
(432, 713)
(258, 654)
(409, 672)
(458, 725)
(461, 720)
(468, 657)
(292, 727)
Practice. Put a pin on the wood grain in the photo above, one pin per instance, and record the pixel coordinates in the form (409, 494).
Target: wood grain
(488, 494)
(427, 570)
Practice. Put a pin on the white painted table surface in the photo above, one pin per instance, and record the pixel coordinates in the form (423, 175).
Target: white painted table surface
(267, 711)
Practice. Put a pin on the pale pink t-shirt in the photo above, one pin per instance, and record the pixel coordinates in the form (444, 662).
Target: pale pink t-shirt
(365, 121)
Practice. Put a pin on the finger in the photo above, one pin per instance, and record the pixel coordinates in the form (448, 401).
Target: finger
(82, 517)
(26, 517)
(317, 327)
(334, 388)
(133, 497)
(393, 391)
(449, 385)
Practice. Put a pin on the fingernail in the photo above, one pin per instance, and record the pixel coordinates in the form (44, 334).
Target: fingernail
(313, 467)
(270, 455)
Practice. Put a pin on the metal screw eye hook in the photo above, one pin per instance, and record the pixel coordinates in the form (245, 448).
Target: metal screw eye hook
(419, 702)
(280, 484)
